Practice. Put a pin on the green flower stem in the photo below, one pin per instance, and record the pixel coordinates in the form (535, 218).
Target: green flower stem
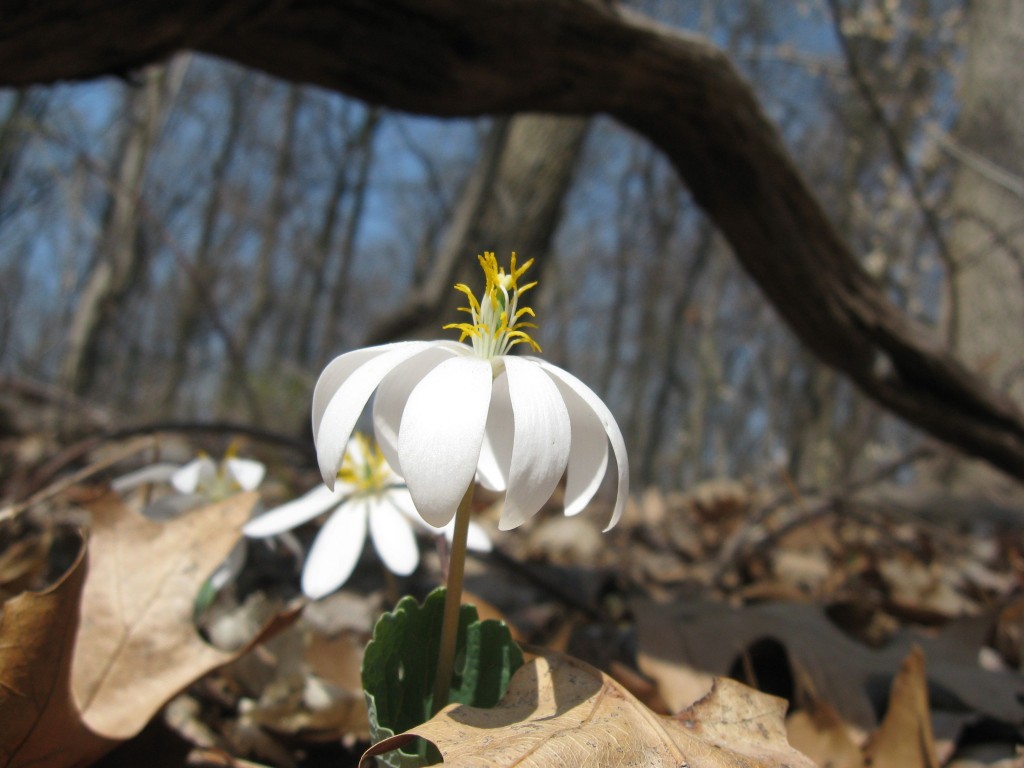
(452, 602)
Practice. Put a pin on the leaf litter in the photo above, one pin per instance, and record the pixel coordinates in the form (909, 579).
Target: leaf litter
(844, 591)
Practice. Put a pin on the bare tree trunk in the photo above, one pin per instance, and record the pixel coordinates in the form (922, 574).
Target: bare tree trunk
(201, 272)
(11, 130)
(260, 284)
(119, 259)
(988, 231)
(512, 202)
(671, 354)
(335, 313)
(12, 277)
(988, 223)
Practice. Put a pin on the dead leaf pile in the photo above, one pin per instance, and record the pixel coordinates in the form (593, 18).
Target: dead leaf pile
(71, 688)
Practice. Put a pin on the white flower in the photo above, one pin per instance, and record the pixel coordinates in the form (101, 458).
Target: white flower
(200, 481)
(446, 412)
(368, 493)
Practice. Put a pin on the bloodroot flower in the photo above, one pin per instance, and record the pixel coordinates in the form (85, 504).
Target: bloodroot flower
(367, 493)
(200, 481)
(447, 412)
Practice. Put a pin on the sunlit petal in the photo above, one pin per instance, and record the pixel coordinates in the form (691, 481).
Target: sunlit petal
(335, 374)
(477, 539)
(248, 473)
(347, 403)
(392, 394)
(335, 551)
(192, 475)
(296, 512)
(541, 447)
(229, 567)
(354, 452)
(588, 457)
(402, 499)
(154, 473)
(441, 432)
(566, 379)
(496, 451)
(172, 505)
(393, 537)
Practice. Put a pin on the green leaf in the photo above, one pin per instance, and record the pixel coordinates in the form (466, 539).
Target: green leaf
(400, 662)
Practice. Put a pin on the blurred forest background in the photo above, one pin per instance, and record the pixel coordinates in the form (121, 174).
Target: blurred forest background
(197, 240)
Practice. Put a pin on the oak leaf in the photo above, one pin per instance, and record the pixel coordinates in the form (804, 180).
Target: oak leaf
(71, 688)
(710, 637)
(561, 711)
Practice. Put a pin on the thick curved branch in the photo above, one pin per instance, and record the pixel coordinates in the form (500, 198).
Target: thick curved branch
(450, 57)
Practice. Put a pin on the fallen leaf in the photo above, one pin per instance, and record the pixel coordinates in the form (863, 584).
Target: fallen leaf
(71, 690)
(905, 739)
(561, 711)
(710, 637)
(679, 685)
(817, 730)
(41, 726)
(137, 631)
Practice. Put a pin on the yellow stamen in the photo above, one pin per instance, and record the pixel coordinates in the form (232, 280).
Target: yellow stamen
(370, 473)
(491, 332)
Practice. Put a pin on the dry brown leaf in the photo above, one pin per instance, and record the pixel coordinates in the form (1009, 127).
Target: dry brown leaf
(818, 731)
(73, 690)
(137, 631)
(905, 739)
(561, 711)
(41, 726)
(678, 684)
(645, 691)
(711, 636)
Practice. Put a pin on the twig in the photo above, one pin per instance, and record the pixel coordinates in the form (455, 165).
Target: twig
(59, 486)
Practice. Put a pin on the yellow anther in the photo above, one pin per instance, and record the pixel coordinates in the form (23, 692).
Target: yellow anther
(491, 332)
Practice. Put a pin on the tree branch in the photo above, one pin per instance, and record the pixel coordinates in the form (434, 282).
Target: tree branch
(449, 57)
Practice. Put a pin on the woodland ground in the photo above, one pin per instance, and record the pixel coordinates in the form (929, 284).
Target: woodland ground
(820, 599)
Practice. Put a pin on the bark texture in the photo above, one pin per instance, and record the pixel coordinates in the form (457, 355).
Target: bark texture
(450, 57)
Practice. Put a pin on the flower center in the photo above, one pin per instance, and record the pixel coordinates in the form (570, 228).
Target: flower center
(497, 323)
(366, 468)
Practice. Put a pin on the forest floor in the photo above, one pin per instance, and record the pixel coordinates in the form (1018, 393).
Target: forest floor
(824, 600)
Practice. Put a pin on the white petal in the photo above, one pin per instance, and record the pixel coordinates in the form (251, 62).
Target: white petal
(335, 374)
(568, 383)
(393, 393)
(588, 457)
(154, 473)
(477, 539)
(336, 550)
(296, 512)
(496, 451)
(173, 505)
(441, 432)
(248, 473)
(338, 419)
(542, 439)
(229, 567)
(354, 451)
(197, 472)
(393, 537)
(402, 499)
